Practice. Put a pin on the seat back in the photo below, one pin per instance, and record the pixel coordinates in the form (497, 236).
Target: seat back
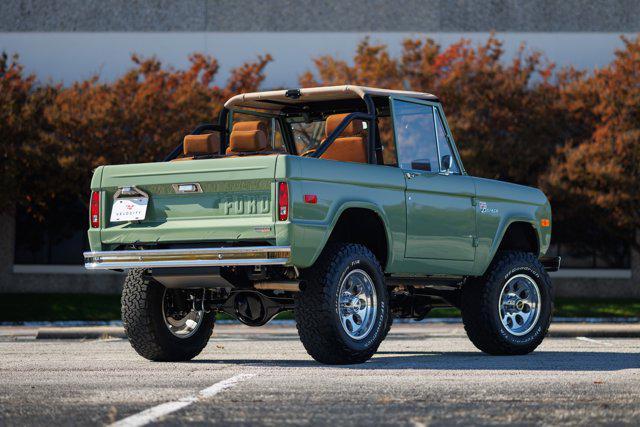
(200, 145)
(351, 145)
(248, 137)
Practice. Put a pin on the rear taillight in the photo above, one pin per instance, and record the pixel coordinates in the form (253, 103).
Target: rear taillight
(94, 210)
(283, 201)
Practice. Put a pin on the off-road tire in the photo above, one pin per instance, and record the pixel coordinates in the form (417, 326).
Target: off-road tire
(144, 324)
(480, 313)
(316, 306)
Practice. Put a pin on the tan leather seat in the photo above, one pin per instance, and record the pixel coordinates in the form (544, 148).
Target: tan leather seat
(200, 145)
(350, 146)
(248, 137)
(251, 125)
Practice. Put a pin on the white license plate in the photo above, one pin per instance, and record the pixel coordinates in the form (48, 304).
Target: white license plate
(133, 209)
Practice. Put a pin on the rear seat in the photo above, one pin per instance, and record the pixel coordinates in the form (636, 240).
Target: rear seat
(200, 145)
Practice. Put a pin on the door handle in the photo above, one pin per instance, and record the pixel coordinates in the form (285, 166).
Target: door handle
(410, 175)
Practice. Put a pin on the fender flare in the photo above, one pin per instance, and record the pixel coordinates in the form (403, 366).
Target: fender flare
(502, 229)
(336, 217)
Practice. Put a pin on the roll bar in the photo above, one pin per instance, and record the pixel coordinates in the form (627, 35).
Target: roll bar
(370, 117)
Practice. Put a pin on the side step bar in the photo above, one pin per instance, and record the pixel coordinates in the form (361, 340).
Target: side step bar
(200, 257)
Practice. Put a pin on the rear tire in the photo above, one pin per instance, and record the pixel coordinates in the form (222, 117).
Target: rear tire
(508, 310)
(143, 316)
(342, 311)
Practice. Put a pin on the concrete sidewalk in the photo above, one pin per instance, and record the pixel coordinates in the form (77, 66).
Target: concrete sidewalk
(286, 329)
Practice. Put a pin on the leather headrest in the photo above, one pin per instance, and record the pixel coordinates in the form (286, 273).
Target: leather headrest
(200, 145)
(354, 128)
(252, 125)
(247, 141)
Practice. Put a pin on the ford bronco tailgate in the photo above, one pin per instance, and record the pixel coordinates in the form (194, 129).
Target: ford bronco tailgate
(209, 200)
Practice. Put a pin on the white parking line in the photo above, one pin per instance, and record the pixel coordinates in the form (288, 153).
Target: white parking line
(594, 341)
(152, 414)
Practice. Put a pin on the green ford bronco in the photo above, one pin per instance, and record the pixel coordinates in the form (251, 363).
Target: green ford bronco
(348, 205)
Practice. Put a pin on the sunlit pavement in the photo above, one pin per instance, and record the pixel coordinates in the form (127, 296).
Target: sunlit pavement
(422, 375)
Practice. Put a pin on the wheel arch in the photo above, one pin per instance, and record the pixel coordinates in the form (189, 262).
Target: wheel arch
(517, 235)
(351, 221)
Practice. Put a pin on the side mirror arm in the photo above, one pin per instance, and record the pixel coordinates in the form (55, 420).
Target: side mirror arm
(445, 164)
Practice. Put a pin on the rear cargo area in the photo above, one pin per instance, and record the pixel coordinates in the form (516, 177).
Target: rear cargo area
(225, 199)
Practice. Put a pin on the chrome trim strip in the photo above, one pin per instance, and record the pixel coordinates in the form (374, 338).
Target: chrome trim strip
(115, 265)
(195, 257)
(191, 251)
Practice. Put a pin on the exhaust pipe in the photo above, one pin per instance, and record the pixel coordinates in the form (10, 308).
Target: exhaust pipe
(285, 285)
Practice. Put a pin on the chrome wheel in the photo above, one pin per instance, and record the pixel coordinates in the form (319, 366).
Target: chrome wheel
(358, 304)
(182, 311)
(519, 304)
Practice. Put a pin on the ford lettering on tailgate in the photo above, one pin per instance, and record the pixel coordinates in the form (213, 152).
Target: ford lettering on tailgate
(246, 205)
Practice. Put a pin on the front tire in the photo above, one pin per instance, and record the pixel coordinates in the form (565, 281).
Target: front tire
(159, 331)
(508, 310)
(342, 312)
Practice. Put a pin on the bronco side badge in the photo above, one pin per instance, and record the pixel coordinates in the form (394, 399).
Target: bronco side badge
(485, 209)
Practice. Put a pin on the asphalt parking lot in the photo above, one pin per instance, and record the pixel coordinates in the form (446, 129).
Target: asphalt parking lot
(263, 376)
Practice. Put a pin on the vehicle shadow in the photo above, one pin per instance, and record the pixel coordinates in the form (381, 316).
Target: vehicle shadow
(537, 361)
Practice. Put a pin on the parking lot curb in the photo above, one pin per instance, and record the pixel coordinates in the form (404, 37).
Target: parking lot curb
(77, 333)
(557, 330)
(600, 330)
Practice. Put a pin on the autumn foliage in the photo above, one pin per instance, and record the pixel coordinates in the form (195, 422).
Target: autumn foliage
(22, 106)
(602, 168)
(138, 118)
(494, 108)
(575, 133)
(53, 137)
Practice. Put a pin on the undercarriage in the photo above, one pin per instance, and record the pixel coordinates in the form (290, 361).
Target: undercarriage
(255, 295)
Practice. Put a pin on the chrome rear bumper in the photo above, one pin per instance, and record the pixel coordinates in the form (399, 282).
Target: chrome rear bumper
(200, 257)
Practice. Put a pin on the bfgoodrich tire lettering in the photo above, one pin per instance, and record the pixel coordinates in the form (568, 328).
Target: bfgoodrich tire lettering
(144, 323)
(481, 302)
(317, 306)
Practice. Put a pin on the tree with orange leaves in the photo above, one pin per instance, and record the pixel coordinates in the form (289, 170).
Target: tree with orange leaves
(497, 110)
(603, 169)
(21, 120)
(140, 117)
